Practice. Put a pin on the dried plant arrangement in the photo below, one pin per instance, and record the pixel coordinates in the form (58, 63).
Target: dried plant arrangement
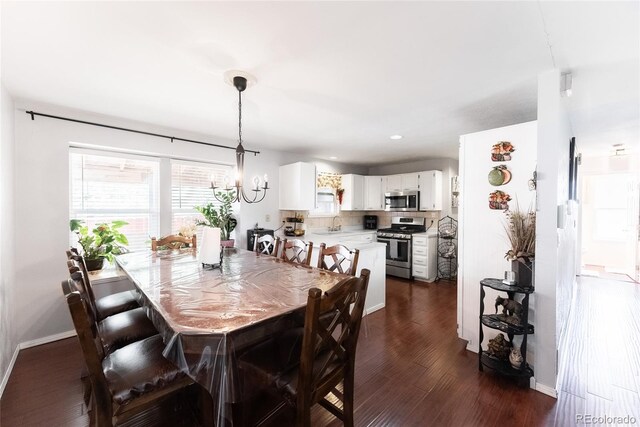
(520, 227)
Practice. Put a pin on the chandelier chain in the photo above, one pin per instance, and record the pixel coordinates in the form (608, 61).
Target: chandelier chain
(240, 117)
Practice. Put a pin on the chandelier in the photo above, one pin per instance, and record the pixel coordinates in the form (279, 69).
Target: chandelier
(259, 189)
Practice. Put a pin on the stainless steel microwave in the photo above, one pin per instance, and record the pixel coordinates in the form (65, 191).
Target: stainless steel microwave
(402, 201)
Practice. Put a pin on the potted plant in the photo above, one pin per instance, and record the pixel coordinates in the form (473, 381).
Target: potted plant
(521, 232)
(103, 242)
(220, 216)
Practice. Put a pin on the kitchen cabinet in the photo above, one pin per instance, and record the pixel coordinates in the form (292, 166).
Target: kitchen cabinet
(297, 187)
(424, 256)
(394, 183)
(353, 196)
(430, 190)
(402, 182)
(373, 193)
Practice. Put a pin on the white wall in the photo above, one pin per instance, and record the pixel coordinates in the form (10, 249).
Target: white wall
(449, 168)
(42, 199)
(482, 240)
(8, 339)
(555, 247)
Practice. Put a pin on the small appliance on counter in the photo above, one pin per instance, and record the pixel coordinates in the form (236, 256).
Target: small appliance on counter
(254, 234)
(370, 222)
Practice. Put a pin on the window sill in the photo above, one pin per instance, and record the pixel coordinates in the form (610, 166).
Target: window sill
(106, 275)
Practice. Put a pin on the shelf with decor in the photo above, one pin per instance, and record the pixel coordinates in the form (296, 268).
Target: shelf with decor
(501, 355)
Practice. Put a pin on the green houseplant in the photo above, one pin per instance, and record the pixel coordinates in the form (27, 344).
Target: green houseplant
(102, 242)
(220, 216)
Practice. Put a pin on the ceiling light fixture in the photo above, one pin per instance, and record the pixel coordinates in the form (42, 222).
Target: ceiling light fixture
(395, 137)
(240, 83)
(333, 158)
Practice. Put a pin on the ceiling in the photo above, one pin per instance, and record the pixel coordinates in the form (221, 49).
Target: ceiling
(333, 78)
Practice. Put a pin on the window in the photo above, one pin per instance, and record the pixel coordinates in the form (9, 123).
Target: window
(190, 187)
(108, 187)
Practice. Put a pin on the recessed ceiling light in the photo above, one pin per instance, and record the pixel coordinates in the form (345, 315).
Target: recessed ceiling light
(395, 137)
(332, 158)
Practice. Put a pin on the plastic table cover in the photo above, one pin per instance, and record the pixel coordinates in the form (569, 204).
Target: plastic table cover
(208, 317)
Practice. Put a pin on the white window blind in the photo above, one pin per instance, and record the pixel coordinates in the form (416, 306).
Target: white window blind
(107, 187)
(190, 187)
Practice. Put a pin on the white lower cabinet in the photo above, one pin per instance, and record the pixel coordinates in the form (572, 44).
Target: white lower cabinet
(423, 256)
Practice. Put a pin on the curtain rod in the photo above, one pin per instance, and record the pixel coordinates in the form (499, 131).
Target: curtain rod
(172, 138)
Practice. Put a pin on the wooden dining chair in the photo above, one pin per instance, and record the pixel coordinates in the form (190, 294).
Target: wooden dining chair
(297, 251)
(127, 381)
(326, 355)
(338, 258)
(173, 241)
(117, 330)
(107, 305)
(267, 245)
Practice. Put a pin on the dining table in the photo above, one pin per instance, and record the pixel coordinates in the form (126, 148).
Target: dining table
(208, 317)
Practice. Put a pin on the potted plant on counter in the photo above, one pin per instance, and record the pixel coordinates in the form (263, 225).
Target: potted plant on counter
(102, 242)
(220, 216)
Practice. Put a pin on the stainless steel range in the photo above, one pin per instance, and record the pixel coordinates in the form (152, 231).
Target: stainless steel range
(398, 240)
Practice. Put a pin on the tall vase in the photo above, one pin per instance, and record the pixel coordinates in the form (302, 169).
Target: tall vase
(524, 273)
(210, 247)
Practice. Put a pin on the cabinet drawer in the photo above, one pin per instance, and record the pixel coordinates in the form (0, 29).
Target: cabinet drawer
(420, 260)
(420, 271)
(420, 241)
(419, 250)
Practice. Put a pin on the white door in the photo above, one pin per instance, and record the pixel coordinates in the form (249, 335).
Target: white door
(610, 223)
(410, 181)
(394, 183)
(372, 193)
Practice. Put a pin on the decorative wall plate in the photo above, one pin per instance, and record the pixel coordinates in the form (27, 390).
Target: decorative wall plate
(501, 152)
(499, 200)
(499, 175)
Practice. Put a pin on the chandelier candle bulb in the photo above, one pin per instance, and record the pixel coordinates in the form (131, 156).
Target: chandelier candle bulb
(256, 182)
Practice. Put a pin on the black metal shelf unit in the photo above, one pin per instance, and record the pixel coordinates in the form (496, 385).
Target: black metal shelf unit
(493, 321)
(447, 248)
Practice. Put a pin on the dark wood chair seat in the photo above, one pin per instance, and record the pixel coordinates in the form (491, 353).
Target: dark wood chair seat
(116, 303)
(129, 381)
(138, 369)
(124, 328)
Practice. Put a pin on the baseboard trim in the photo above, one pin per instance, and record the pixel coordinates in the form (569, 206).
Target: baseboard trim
(545, 389)
(374, 308)
(7, 374)
(46, 340)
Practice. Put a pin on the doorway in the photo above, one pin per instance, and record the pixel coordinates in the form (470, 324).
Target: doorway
(610, 212)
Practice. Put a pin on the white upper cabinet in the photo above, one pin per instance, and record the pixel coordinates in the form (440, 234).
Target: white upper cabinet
(297, 187)
(373, 193)
(410, 181)
(430, 191)
(353, 197)
(402, 182)
(394, 183)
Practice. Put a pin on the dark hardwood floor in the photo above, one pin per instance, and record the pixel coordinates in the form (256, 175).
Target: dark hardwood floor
(411, 370)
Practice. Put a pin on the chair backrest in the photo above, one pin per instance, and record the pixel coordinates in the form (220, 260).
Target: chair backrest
(266, 244)
(338, 258)
(297, 251)
(328, 352)
(173, 241)
(77, 266)
(89, 342)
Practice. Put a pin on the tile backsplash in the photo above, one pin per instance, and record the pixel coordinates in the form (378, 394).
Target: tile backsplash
(355, 219)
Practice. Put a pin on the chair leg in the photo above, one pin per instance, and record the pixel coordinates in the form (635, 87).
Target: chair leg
(347, 402)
